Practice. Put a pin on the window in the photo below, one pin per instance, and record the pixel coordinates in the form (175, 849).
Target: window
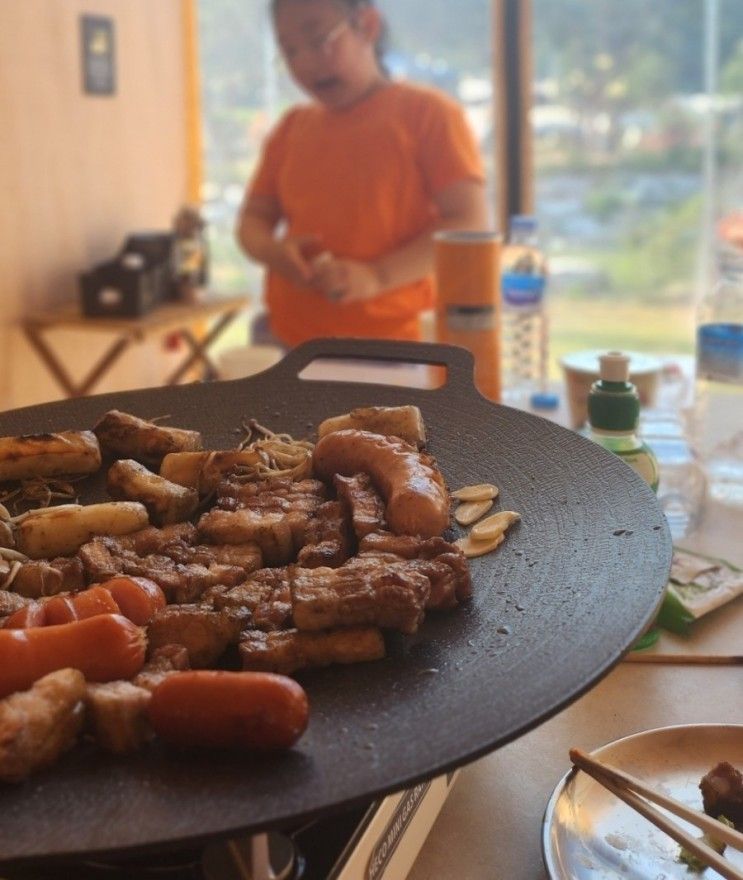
(625, 162)
(628, 174)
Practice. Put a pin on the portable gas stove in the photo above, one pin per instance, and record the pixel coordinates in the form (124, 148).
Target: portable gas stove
(378, 840)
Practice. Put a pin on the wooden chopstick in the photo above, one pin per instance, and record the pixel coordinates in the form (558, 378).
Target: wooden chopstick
(626, 788)
(686, 659)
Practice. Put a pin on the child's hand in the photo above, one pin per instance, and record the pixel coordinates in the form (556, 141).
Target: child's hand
(345, 281)
(291, 257)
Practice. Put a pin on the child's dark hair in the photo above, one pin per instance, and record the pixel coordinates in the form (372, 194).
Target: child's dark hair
(352, 6)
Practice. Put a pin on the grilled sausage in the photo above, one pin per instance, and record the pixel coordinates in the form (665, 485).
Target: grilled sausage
(137, 597)
(416, 498)
(229, 710)
(103, 648)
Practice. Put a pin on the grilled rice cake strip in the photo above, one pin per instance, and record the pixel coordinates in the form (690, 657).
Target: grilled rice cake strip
(288, 650)
(123, 435)
(38, 725)
(327, 538)
(365, 593)
(205, 634)
(166, 502)
(117, 715)
(364, 504)
(266, 594)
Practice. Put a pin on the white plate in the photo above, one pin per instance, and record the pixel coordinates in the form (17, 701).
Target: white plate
(590, 834)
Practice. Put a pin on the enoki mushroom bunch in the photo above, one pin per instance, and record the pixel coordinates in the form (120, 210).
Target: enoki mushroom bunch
(280, 454)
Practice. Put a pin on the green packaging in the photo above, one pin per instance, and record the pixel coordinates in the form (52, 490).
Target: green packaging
(697, 585)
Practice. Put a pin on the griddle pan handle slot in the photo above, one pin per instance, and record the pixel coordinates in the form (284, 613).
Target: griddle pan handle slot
(459, 362)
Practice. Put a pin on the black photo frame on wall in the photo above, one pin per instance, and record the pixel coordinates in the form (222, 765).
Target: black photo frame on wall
(97, 37)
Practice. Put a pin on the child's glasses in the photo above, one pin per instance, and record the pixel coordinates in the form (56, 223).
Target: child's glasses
(320, 45)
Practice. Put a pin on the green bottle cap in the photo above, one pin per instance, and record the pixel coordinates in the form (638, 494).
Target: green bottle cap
(613, 404)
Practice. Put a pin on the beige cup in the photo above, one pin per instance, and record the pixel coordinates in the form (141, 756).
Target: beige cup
(467, 267)
(581, 370)
(246, 360)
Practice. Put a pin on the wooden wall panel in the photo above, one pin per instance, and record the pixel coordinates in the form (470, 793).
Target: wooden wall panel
(77, 171)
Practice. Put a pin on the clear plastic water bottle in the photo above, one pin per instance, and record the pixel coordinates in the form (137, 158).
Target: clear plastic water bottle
(681, 488)
(718, 395)
(525, 338)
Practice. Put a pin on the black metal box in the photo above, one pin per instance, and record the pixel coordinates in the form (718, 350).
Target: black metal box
(133, 283)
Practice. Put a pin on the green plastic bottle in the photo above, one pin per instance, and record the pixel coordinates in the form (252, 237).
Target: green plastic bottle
(613, 416)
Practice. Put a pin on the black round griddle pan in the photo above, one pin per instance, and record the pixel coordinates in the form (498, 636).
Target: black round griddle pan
(559, 603)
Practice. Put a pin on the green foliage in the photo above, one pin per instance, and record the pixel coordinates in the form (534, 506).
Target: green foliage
(604, 204)
(731, 79)
(657, 259)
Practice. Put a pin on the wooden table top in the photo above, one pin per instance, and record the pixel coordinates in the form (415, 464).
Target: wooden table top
(166, 316)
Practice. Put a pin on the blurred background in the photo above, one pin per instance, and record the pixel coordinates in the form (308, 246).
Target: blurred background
(634, 143)
(632, 103)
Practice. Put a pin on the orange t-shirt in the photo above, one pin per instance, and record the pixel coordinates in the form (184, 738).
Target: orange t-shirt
(363, 180)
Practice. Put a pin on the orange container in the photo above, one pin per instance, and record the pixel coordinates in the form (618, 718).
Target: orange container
(467, 266)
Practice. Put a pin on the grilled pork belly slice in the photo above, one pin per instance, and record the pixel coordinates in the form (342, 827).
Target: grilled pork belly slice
(158, 540)
(270, 531)
(117, 715)
(362, 592)
(162, 662)
(205, 634)
(280, 492)
(327, 538)
(182, 571)
(296, 500)
(38, 725)
(245, 556)
(722, 793)
(286, 651)
(442, 578)
(266, 594)
(364, 504)
(43, 577)
(181, 582)
(382, 544)
(99, 561)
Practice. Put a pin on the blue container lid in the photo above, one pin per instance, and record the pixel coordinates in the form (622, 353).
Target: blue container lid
(523, 223)
(544, 400)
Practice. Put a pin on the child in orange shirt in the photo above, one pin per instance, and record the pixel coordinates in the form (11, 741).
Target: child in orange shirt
(357, 181)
